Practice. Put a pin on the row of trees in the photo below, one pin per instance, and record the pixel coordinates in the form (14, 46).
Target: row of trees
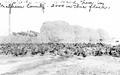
(61, 31)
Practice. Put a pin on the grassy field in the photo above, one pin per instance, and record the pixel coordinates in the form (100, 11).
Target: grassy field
(49, 65)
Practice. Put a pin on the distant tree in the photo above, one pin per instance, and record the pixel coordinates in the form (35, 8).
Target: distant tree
(103, 35)
(53, 38)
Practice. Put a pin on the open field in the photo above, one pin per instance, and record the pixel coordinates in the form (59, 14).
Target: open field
(49, 65)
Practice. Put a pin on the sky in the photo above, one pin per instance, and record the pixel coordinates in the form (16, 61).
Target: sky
(24, 19)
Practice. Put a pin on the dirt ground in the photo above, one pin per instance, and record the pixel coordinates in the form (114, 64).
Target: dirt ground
(55, 65)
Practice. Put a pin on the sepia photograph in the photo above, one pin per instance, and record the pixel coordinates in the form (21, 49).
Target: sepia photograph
(59, 37)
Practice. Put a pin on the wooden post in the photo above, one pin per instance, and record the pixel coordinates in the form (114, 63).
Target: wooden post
(9, 30)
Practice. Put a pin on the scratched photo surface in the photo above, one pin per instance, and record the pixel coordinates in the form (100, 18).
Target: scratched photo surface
(59, 37)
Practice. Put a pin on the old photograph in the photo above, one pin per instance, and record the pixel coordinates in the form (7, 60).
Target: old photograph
(59, 37)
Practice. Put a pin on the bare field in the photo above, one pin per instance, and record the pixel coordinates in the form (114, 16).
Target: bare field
(55, 65)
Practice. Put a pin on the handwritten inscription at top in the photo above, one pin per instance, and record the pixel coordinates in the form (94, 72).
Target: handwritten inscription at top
(85, 4)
